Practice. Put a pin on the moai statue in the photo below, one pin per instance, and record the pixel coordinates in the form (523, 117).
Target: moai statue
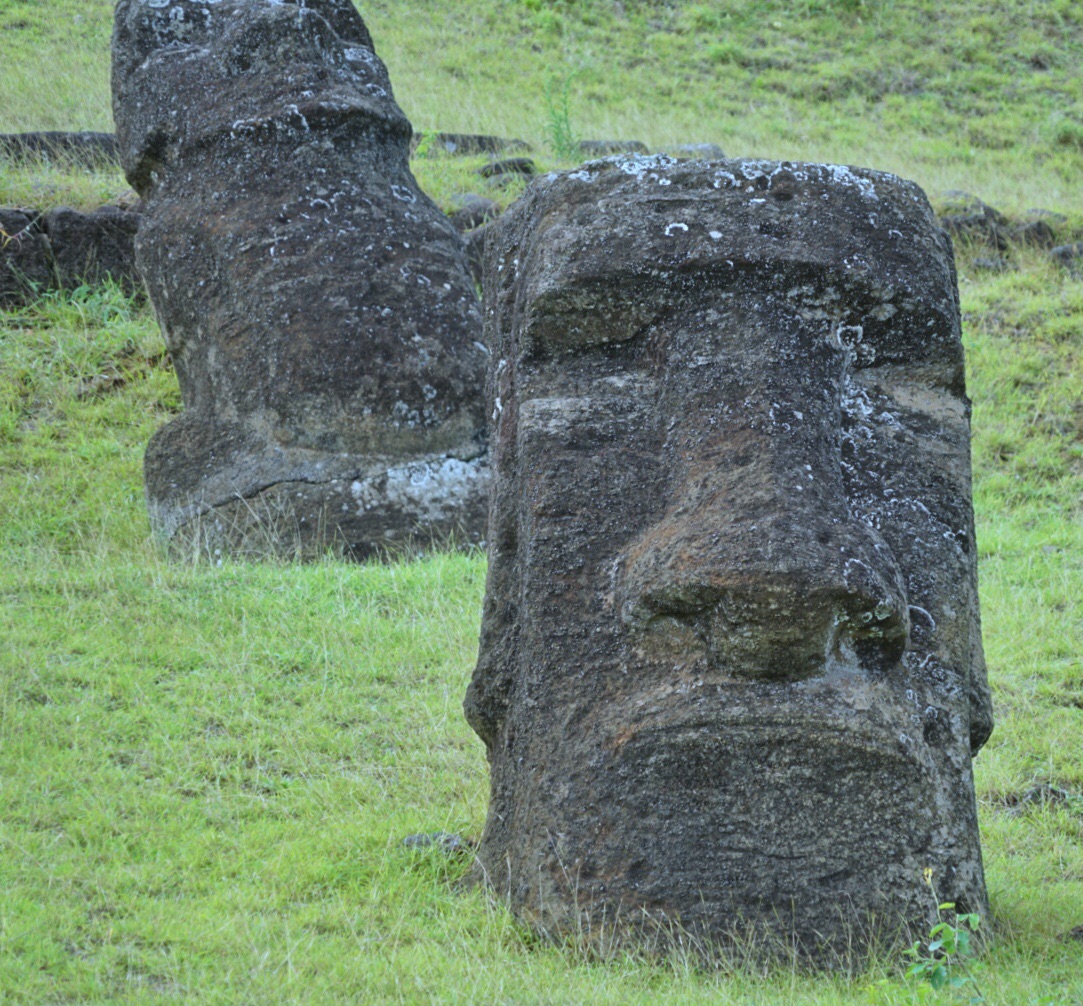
(730, 675)
(318, 306)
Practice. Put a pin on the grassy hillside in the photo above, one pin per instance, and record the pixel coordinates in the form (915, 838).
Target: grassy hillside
(985, 96)
(206, 772)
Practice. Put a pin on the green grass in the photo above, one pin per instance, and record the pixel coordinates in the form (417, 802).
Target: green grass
(985, 96)
(45, 185)
(206, 772)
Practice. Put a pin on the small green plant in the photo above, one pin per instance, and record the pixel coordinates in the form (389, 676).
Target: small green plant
(426, 139)
(704, 17)
(940, 960)
(562, 137)
(728, 51)
(1068, 132)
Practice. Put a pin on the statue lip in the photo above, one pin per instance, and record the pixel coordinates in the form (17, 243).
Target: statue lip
(322, 114)
(844, 701)
(865, 730)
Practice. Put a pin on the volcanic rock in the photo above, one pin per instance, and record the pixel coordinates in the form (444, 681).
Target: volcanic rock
(91, 247)
(600, 148)
(473, 211)
(318, 306)
(25, 257)
(730, 676)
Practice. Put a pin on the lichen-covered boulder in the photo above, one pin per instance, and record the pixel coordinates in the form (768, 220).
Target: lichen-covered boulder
(317, 305)
(730, 676)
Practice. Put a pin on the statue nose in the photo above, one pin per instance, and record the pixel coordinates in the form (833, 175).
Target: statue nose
(774, 600)
(760, 552)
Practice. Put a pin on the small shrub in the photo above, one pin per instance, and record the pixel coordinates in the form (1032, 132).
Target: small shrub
(425, 141)
(1069, 133)
(940, 960)
(562, 137)
(703, 18)
(549, 21)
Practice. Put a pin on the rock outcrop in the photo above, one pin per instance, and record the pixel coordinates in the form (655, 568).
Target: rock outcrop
(88, 248)
(64, 249)
(25, 256)
(318, 306)
(470, 144)
(730, 676)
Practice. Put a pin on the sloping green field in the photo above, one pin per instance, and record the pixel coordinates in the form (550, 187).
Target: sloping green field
(206, 772)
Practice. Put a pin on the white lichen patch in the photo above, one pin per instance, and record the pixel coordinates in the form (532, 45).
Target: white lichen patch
(359, 54)
(752, 169)
(842, 175)
(432, 490)
(642, 166)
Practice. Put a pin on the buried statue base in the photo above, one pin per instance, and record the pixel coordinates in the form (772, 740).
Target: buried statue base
(730, 676)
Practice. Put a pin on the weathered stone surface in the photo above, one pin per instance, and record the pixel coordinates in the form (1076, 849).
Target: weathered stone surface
(469, 144)
(966, 218)
(473, 211)
(1070, 256)
(697, 151)
(92, 150)
(64, 249)
(25, 259)
(730, 673)
(509, 166)
(986, 264)
(91, 247)
(475, 251)
(318, 306)
(1035, 234)
(599, 148)
(1050, 216)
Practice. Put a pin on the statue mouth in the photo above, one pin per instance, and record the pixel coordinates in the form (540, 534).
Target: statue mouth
(709, 723)
(335, 111)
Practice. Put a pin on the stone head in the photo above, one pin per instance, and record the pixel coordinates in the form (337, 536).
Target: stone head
(731, 662)
(317, 305)
(262, 70)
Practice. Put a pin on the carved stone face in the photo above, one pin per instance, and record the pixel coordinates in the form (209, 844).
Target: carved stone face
(731, 663)
(317, 305)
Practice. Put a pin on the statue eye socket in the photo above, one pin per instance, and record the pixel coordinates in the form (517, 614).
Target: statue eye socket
(586, 316)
